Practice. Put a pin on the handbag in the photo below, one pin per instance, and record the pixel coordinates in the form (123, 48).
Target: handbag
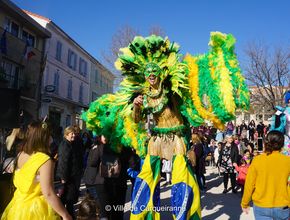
(110, 166)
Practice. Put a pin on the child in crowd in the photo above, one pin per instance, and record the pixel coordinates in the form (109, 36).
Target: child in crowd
(212, 146)
(242, 173)
(89, 209)
(247, 156)
(250, 147)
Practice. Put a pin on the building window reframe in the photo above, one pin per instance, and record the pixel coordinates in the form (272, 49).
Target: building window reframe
(31, 39)
(56, 81)
(69, 89)
(58, 51)
(81, 88)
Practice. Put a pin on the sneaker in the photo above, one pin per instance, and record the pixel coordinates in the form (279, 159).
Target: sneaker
(225, 191)
(234, 191)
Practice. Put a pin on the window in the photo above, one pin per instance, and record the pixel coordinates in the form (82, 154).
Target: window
(27, 37)
(58, 51)
(94, 96)
(96, 76)
(10, 73)
(14, 29)
(81, 93)
(7, 24)
(69, 89)
(68, 120)
(72, 60)
(56, 81)
(101, 80)
(82, 67)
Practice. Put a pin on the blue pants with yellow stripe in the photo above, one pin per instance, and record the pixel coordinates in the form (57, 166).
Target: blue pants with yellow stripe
(185, 198)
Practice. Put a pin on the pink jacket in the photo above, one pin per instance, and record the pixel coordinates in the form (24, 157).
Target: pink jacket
(242, 170)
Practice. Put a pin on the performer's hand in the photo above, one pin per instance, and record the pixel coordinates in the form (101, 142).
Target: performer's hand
(138, 101)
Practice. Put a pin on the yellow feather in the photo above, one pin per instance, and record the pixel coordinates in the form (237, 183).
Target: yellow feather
(225, 84)
(171, 59)
(194, 88)
(118, 64)
(127, 51)
(131, 129)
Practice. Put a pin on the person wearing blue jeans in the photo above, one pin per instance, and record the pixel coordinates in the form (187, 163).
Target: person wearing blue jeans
(267, 181)
(271, 213)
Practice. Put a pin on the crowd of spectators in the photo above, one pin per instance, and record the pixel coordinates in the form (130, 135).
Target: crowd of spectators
(80, 156)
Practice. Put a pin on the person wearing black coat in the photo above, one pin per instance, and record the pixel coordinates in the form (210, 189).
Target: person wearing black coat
(112, 191)
(92, 177)
(116, 188)
(69, 169)
(199, 169)
(228, 158)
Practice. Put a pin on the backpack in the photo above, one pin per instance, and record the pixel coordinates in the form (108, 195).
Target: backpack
(110, 166)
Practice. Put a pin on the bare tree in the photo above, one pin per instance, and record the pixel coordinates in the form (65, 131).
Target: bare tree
(122, 38)
(157, 31)
(268, 76)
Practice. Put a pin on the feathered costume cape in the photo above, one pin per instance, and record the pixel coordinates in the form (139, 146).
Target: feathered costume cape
(210, 86)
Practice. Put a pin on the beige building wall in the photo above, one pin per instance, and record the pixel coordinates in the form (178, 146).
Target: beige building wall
(102, 80)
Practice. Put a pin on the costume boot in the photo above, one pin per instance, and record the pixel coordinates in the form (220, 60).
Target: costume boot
(146, 192)
(185, 197)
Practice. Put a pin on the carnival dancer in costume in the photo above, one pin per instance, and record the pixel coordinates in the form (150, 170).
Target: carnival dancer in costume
(282, 123)
(176, 94)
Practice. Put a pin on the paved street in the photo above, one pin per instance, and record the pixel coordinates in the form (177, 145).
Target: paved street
(215, 204)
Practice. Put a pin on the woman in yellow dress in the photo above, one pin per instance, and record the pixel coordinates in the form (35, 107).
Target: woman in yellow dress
(35, 197)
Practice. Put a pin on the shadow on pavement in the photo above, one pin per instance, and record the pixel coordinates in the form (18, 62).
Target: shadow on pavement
(215, 204)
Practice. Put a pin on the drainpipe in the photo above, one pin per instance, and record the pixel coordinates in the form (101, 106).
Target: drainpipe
(40, 82)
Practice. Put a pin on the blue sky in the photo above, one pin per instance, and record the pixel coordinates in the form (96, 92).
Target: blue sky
(92, 23)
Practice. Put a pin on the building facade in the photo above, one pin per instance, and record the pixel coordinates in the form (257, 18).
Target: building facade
(22, 57)
(69, 78)
(65, 82)
(102, 80)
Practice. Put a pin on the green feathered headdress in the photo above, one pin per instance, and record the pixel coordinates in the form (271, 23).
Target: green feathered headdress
(156, 53)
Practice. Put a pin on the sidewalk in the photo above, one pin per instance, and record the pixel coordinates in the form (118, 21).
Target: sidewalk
(215, 204)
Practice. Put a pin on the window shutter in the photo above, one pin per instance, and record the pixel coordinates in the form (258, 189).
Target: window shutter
(85, 72)
(69, 58)
(96, 76)
(60, 49)
(75, 61)
(80, 65)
